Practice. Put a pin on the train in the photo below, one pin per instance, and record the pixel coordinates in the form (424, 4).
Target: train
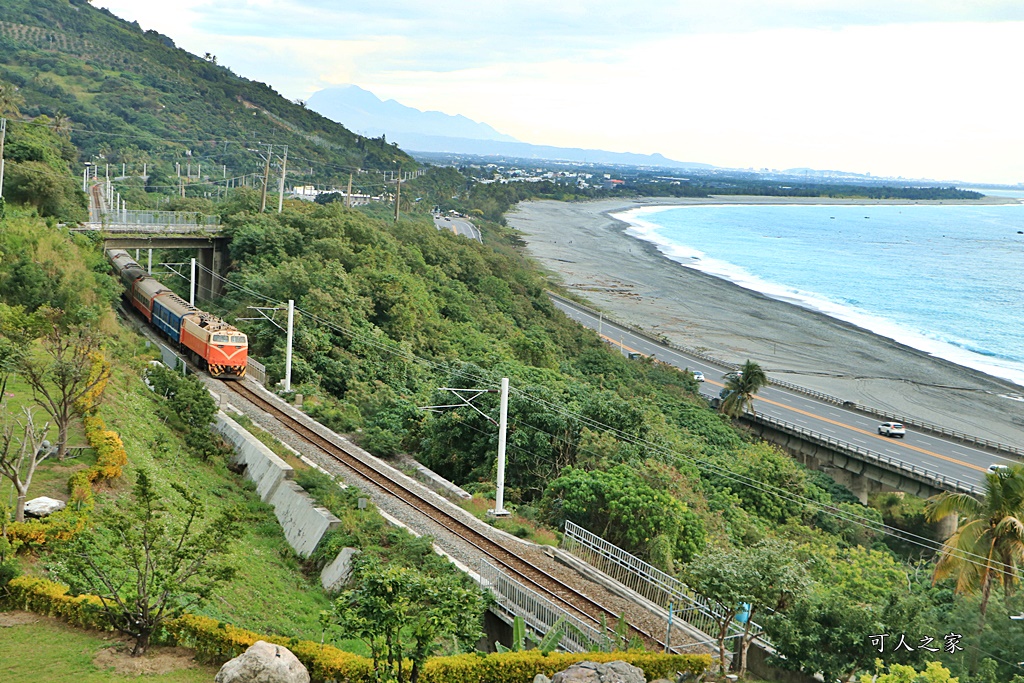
(214, 345)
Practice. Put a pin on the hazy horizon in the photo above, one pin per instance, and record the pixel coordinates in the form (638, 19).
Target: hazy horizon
(913, 89)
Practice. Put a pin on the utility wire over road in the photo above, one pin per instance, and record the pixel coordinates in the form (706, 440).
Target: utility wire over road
(940, 455)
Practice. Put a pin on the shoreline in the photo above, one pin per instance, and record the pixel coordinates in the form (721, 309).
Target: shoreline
(588, 250)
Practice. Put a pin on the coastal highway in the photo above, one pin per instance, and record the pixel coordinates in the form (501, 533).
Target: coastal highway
(460, 226)
(942, 456)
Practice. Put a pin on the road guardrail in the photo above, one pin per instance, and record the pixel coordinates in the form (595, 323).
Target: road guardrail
(821, 396)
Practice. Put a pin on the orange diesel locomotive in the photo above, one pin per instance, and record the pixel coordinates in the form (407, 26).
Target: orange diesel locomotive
(213, 344)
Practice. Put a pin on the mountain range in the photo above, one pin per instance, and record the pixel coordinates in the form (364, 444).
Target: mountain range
(432, 131)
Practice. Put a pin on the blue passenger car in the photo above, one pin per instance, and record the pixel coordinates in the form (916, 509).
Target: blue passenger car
(168, 310)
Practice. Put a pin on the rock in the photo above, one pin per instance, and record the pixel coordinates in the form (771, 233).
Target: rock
(593, 672)
(43, 506)
(541, 678)
(264, 663)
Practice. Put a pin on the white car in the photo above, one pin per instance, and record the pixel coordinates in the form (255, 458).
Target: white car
(698, 375)
(895, 429)
(998, 469)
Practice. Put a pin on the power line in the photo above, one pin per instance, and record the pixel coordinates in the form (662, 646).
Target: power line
(702, 463)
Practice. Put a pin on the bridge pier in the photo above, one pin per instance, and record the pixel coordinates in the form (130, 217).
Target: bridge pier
(211, 256)
(861, 477)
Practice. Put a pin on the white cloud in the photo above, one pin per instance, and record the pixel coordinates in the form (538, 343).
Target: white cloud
(921, 88)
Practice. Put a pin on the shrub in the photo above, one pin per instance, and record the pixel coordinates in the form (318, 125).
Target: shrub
(216, 641)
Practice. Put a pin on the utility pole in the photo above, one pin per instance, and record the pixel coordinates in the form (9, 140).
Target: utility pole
(288, 353)
(284, 170)
(3, 138)
(266, 179)
(192, 285)
(398, 197)
(348, 195)
(502, 423)
(499, 497)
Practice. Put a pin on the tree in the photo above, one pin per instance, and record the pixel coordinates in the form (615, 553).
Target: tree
(10, 100)
(751, 581)
(148, 560)
(988, 548)
(69, 367)
(21, 455)
(742, 386)
(399, 612)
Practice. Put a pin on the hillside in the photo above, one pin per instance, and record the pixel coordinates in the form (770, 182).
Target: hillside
(132, 97)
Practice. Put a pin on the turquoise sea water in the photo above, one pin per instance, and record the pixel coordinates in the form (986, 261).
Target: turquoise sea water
(948, 280)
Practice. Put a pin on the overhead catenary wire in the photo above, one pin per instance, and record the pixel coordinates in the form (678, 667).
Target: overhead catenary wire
(702, 464)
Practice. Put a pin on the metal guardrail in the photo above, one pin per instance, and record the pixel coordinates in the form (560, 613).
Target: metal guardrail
(868, 410)
(161, 218)
(923, 474)
(688, 605)
(537, 612)
(256, 370)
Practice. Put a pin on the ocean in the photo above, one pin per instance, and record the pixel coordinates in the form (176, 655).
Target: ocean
(945, 279)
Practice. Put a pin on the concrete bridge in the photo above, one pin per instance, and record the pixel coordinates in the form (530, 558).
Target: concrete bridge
(121, 228)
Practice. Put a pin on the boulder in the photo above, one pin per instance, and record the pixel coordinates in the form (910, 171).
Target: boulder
(593, 672)
(43, 506)
(541, 678)
(264, 663)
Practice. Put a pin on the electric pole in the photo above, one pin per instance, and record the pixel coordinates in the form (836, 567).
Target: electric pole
(266, 179)
(398, 197)
(3, 138)
(466, 397)
(348, 196)
(284, 170)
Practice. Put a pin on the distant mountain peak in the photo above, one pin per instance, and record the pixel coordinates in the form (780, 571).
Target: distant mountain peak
(360, 110)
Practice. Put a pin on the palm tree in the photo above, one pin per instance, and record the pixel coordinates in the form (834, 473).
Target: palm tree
(989, 547)
(10, 100)
(741, 387)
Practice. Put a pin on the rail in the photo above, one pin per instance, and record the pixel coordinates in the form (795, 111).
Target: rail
(688, 605)
(821, 396)
(538, 613)
(939, 481)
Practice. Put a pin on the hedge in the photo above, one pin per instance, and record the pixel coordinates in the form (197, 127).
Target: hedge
(521, 667)
(218, 642)
(111, 456)
(41, 596)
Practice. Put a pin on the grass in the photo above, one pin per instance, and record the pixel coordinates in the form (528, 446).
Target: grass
(51, 476)
(18, 395)
(47, 650)
(515, 524)
(270, 593)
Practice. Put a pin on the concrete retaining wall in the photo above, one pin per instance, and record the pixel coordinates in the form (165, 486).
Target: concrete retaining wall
(303, 521)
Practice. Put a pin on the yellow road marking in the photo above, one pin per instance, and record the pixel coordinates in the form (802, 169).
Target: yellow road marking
(834, 422)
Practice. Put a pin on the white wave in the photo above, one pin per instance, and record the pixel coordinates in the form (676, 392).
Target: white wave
(922, 340)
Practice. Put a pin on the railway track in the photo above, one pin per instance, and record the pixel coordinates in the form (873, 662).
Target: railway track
(576, 603)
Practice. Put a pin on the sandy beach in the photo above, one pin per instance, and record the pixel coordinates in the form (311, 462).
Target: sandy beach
(588, 252)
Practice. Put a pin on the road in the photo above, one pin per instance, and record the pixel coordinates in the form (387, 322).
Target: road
(935, 453)
(460, 226)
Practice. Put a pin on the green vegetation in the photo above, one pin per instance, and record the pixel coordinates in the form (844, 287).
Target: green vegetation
(150, 558)
(988, 547)
(121, 95)
(75, 654)
(390, 311)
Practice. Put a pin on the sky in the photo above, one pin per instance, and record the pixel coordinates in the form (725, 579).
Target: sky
(902, 88)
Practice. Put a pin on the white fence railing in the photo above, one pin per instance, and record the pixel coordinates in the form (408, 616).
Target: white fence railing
(539, 614)
(688, 605)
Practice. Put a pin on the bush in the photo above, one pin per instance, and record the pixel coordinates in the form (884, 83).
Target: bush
(217, 642)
